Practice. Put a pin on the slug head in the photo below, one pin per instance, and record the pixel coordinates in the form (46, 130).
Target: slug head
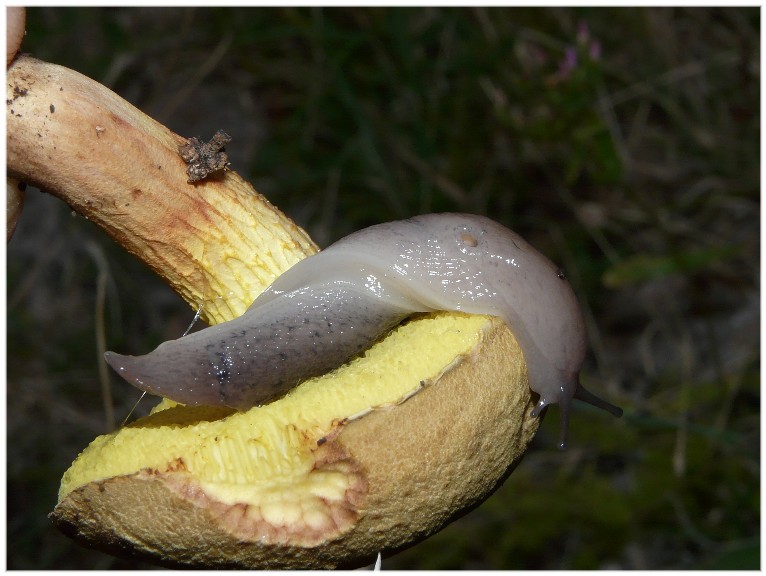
(497, 272)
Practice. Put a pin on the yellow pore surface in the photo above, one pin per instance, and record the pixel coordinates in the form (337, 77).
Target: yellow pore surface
(262, 453)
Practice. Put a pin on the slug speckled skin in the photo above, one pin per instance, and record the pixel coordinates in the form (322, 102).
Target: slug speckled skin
(335, 304)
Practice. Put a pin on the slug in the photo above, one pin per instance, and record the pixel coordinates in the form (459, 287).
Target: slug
(335, 304)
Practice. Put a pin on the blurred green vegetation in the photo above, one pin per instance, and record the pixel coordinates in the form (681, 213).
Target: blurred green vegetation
(622, 142)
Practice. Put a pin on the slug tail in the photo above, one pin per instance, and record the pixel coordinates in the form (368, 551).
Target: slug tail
(126, 366)
(138, 371)
(165, 376)
(582, 393)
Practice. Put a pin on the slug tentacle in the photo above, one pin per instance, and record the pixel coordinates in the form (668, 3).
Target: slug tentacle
(335, 304)
(565, 407)
(582, 393)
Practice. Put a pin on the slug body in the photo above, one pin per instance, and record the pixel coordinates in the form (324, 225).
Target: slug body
(335, 304)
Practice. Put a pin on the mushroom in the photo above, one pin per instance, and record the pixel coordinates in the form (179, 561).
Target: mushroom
(15, 24)
(372, 457)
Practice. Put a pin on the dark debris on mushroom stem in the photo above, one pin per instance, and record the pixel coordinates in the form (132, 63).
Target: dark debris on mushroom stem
(205, 158)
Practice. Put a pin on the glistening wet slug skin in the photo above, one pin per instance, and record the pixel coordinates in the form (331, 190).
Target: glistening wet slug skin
(334, 304)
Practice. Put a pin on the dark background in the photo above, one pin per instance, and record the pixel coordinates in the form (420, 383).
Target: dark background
(623, 143)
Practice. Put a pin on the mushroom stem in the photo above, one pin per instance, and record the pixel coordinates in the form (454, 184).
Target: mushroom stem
(76, 139)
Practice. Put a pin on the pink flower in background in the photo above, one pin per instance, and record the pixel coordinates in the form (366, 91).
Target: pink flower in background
(585, 46)
(584, 40)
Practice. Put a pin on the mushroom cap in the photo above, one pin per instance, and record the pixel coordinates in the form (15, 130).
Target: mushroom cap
(375, 483)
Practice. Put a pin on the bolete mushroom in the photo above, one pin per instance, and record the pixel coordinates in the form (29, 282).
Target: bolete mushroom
(374, 456)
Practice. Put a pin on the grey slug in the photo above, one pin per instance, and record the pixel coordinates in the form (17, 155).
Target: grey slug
(335, 304)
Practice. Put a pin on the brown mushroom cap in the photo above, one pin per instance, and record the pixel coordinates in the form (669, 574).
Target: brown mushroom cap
(374, 484)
